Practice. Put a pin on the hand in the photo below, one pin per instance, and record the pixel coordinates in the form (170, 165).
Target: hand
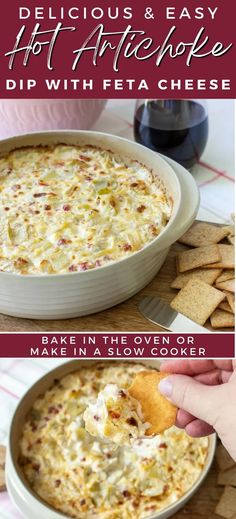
(205, 393)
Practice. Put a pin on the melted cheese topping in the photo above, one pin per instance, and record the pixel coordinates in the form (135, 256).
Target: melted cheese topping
(116, 416)
(71, 208)
(84, 477)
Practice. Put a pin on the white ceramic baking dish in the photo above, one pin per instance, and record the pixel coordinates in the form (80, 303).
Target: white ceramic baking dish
(81, 293)
(25, 500)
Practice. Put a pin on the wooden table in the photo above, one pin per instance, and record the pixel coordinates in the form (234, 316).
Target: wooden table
(124, 317)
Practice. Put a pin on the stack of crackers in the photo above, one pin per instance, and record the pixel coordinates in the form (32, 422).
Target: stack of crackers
(205, 275)
(227, 477)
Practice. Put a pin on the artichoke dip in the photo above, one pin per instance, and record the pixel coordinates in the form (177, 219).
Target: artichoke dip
(74, 208)
(87, 477)
(115, 416)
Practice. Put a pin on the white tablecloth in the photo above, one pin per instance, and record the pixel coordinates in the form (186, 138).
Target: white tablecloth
(214, 176)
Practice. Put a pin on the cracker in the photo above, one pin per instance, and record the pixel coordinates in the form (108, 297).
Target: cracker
(223, 458)
(2, 468)
(230, 229)
(227, 258)
(225, 275)
(198, 257)
(156, 409)
(227, 285)
(227, 477)
(202, 233)
(197, 300)
(207, 275)
(231, 239)
(222, 319)
(227, 504)
(230, 299)
(225, 306)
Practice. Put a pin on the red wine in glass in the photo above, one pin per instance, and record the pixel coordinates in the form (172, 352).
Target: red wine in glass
(175, 128)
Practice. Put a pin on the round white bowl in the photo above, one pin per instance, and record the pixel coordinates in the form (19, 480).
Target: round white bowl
(24, 498)
(81, 293)
(19, 116)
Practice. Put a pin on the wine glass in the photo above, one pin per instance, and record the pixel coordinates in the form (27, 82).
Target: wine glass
(177, 128)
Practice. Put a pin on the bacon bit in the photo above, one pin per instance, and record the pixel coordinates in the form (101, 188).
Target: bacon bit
(154, 230)
(86, 159)
(36, 212)
(73, 268)
(84, 265)
(126, 493)
(132, 421)
(16, 187)
(170, 469)
(134, 184)
(63, 241)
(114, 415)
(36, 467)
(121, 393)
(57, 483)
(88, 178)
(38, 195)
(20, 262)
(47, 207)
(96, 418)
(163, 445)
(33, 427)
(127, 247)
(53, 410)
(66, 207)
(39, 441)
(29, 447)
(42, 183)
(82, 502)
(6, 208)
(113, 202)
(98, 263)
(165, 488)
(141, 208)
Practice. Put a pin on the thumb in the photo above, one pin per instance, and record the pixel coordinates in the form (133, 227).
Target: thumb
(203, 402)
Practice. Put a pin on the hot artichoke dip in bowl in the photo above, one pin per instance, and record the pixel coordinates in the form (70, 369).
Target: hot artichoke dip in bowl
(57, 466)
(81, 214)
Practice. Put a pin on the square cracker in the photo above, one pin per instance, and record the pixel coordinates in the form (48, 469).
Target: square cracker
(197, 300)
(231, 239)
(207, 275)
(202, 233)
(230, 299)
(227, 258)
(227, 504)
(227, 477)
(222, 319)
(193, 258)
(225, 306)
(223, 458)
(230, 229)
(227, 285)
(225, 275)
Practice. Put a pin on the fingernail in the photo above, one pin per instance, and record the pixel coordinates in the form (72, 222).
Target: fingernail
(165, 387)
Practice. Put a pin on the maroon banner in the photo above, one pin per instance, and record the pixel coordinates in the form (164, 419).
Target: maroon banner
(140, 49)
(118, 345)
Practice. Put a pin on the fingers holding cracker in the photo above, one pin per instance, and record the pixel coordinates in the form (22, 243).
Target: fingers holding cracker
(156, 409)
